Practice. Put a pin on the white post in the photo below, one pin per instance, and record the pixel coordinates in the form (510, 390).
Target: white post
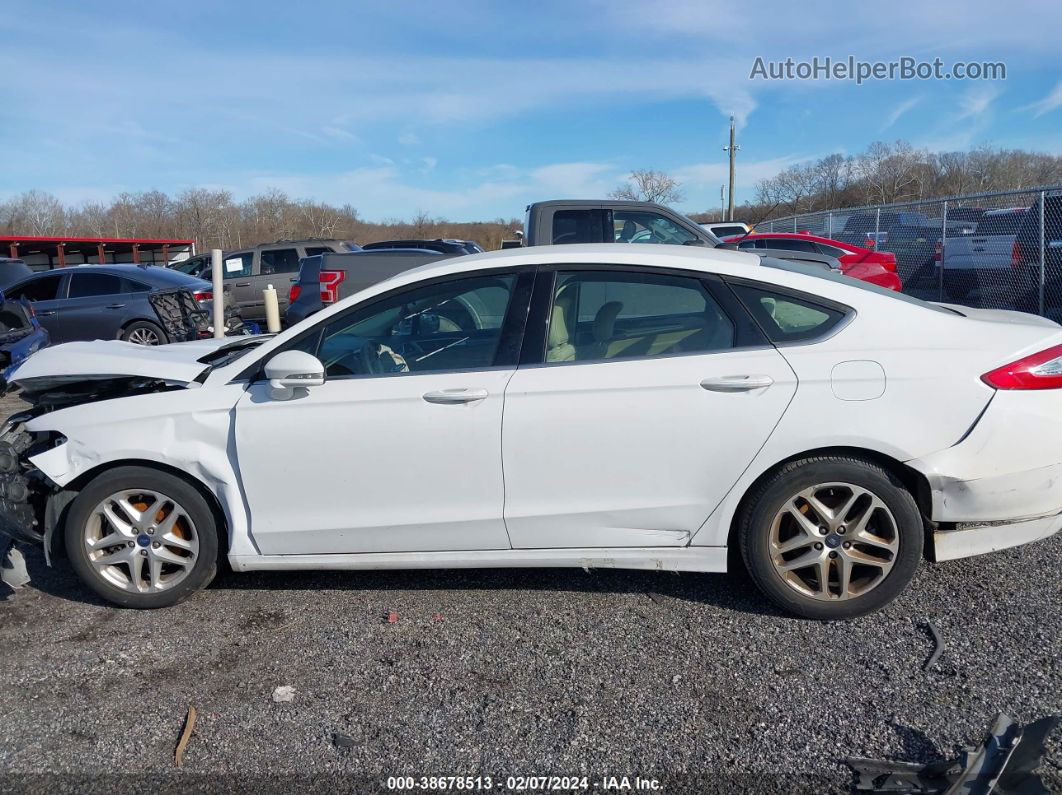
(218, 274)
(272, 309)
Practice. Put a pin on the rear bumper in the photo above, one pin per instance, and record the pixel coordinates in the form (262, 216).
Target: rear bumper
(964, 541)
(1001, 486)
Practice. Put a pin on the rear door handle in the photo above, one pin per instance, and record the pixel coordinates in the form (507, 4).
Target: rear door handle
(243, 284)
(44, 312)
(737, 383)
(115, 306)
(453, 397)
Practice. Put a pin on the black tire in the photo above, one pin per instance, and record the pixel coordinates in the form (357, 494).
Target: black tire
(770, 497)
(202, 570)
(144, 329)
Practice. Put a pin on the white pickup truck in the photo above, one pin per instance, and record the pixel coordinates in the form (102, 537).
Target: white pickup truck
(969, 260)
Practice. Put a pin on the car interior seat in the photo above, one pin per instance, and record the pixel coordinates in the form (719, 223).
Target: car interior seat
(559, 346)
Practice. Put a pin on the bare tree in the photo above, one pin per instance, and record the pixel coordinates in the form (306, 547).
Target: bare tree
(646, 185)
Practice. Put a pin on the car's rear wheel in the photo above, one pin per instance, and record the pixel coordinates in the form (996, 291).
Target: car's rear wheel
(143, 332)
(831, 537)
(142, 538)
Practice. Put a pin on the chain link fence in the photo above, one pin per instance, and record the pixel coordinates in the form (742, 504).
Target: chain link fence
(993, 250)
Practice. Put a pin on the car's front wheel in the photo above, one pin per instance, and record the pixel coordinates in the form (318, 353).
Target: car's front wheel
(831, 537)
(142, 538)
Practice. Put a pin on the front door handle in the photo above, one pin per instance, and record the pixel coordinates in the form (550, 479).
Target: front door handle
(243, 284)
(44, 312)
(737, 383)
(453, 397)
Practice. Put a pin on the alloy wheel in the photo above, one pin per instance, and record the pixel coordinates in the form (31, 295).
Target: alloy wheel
(141, 541)
(834, 541)
(144, 336)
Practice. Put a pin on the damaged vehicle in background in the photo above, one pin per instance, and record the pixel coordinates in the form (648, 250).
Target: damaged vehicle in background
(661, 404)
(134, 303)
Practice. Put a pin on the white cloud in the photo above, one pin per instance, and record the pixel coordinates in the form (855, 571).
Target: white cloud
(409, 139)
(900, 110)
(1053, 101)
(339, 134)
(977, 101)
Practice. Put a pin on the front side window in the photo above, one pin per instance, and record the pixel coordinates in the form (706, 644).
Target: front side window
(45, 288)
(280, 260)
(238, 266)
(617, 315)
(646, 227)
(453, 325)
(786, 318)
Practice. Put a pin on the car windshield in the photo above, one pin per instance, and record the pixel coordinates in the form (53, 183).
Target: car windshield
(820, 273)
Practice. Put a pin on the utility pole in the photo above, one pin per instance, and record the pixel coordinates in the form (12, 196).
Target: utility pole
(722, 202)
(732, 149)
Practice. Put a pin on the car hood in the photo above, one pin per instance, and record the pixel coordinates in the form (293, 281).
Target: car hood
(71, 362)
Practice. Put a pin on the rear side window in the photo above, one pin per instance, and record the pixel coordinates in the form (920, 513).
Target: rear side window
(789, 244)
(832, 251)
(620, 315)
(580, 226)
(311, 251)
(787, 318)
(280, 260)
(85, 285)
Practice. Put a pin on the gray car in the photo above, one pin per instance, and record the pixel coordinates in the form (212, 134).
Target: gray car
(89, 302)
(249, 271)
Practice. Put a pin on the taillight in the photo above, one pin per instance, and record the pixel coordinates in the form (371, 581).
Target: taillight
(889, 261)
(330, 281)
(203, 295)
(294, 293)
(938, 252)
(873, 244)
(1015, 255)
(1041, 370)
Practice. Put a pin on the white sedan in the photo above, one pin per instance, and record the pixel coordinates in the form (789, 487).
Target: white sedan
(586, 406)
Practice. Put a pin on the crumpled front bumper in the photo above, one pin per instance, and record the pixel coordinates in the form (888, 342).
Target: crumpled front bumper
(23, 490)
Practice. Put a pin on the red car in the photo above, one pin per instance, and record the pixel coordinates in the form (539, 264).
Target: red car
(868, 265)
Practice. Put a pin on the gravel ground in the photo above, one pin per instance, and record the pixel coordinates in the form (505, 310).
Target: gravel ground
(691, 679)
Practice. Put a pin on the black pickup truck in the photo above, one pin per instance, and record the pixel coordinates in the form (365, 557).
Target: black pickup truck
(562, 221)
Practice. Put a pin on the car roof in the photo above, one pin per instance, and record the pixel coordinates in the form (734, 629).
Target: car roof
(155, 274)
(724, 262)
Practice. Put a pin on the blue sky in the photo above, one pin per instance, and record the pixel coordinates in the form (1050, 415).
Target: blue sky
(471, 109)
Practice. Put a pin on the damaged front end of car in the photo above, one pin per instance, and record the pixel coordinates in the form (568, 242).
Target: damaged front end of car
(31, 504)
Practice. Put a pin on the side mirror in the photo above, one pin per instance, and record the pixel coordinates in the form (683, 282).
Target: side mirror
(292, 370)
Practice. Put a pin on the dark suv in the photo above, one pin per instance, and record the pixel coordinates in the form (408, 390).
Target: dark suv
(327, 278)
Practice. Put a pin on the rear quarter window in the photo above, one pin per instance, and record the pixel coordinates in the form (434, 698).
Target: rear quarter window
(785, 317)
